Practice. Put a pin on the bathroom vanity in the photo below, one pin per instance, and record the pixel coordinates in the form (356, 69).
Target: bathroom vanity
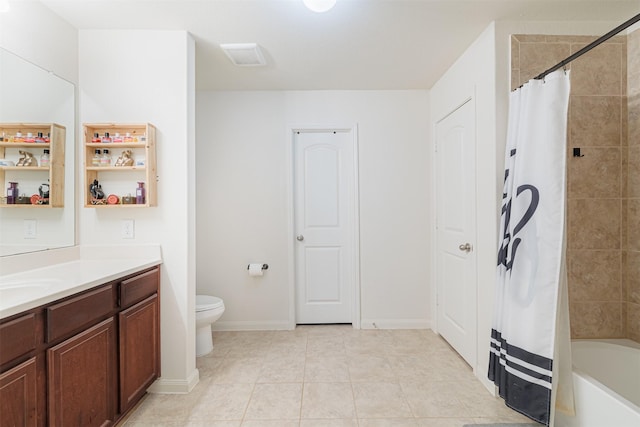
(84, 359)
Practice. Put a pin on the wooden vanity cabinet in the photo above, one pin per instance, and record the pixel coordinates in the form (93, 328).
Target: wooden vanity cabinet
(22, 371)
(82, 378)
(84, 360)
(19, 395)
(139, 335)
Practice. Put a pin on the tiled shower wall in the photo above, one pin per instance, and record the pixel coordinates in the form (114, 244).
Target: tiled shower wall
(633, 188)
(604, 298)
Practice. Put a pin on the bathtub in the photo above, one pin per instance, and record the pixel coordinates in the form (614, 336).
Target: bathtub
(606, 381)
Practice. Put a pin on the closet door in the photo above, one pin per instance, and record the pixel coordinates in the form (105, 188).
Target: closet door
(456, 230)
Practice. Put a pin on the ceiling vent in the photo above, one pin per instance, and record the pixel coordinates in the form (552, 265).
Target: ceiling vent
(244, 54)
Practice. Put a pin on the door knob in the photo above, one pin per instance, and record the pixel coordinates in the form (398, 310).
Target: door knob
(300, 238)
(466, 247)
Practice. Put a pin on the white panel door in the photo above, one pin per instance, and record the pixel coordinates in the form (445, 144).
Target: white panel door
(455, 223)
(324, 221)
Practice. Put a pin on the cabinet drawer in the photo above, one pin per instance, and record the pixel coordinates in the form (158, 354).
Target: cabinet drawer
(17, 337)
(139, 287)
(78, 312)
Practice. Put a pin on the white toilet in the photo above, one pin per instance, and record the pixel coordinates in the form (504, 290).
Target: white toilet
(208, 310)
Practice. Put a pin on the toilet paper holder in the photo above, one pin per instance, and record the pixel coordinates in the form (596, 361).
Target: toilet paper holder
(264, 266)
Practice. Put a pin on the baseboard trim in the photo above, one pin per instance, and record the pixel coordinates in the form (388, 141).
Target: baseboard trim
(166, 386)
(267, 325)
(395, 324)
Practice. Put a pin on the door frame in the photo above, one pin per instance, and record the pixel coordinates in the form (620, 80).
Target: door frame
(470, 98)
(355, 217)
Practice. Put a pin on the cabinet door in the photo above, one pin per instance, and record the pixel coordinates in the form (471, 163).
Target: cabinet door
(139, 350)
(18, 395)
(82, 378)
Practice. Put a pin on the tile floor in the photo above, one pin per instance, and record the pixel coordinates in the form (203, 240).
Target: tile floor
(325, 376)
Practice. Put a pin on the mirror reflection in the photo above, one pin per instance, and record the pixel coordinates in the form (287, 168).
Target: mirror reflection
(32, 95)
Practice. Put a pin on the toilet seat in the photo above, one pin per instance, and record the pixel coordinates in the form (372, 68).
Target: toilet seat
(207, 302)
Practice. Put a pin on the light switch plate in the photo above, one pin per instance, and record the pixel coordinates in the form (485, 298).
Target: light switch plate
(128, 231)
(29, 227)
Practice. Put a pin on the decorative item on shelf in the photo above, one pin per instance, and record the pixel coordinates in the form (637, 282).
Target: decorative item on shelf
(95, 160)
(106, 137)
(96, 138)
(27, 159)
(125, 159)
(35, 199)
(97, 195)
(45, 159)
(40, 139)
(23, 200)
(12, 193)
(43, 190)
(5, 162)
(128, 200)
(117, 138)
(112, 199)
(105, 160)
(141, 194)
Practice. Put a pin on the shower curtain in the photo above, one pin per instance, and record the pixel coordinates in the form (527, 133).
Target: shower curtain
(531, 272)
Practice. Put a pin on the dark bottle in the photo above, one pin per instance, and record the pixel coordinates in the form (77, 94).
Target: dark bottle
(141, 194)
(12, 193)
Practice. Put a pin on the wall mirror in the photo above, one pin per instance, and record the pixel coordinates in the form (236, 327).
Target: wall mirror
(31, 94)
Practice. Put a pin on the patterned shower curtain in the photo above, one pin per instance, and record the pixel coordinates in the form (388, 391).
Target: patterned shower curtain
(531, 272)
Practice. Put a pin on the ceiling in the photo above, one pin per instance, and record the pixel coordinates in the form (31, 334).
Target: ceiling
(359, 44)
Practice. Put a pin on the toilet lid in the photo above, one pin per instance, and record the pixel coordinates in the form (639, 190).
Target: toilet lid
(207, 302)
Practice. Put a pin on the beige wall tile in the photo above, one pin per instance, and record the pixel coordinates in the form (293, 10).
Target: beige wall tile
(624, 273)
(596, 175)
(587, 39)
(598, 72)
(515, 53)
(594, 224)
(633, 219)
(633, 125)
(633, 56)
(596, 320)
(633, 277)
(624, 121)
(633, 321)
(624, 224)
(633, 183)
(530, 38)
(594, 275)
(537, 57)
(624, 172)
(595, 121)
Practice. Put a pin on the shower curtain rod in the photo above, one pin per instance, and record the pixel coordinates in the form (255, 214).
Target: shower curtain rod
(590, 46)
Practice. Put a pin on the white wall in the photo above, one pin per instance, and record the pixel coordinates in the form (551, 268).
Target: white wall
(37, 34)
(138, 77)
(243, 200)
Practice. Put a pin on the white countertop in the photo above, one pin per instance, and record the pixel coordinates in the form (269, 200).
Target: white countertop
(93, 266)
